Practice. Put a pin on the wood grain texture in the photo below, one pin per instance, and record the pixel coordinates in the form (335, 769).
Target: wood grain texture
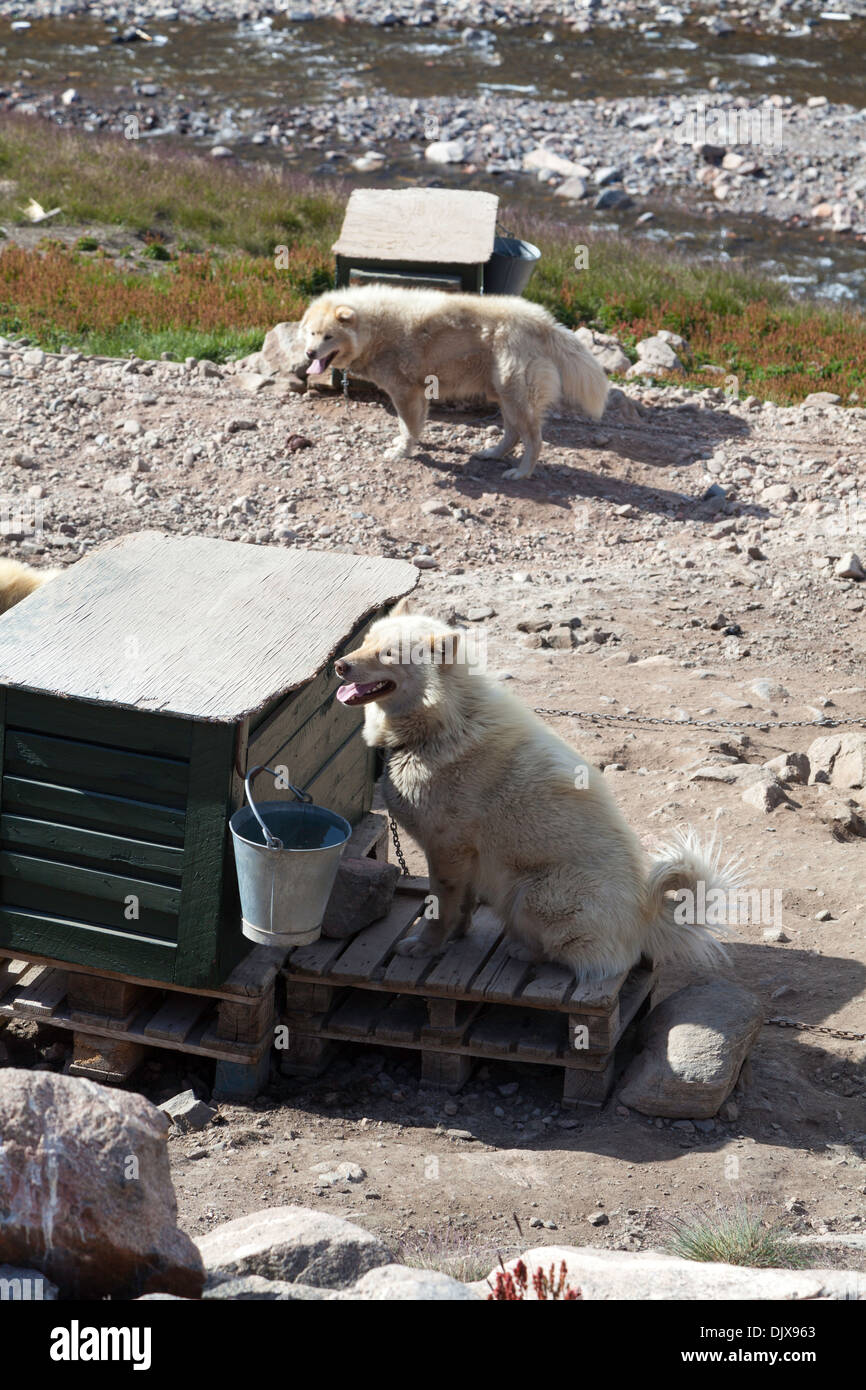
(436, 225)
(209, 936)
(190, 626)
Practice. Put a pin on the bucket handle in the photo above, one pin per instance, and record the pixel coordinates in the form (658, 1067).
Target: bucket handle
(271, 841)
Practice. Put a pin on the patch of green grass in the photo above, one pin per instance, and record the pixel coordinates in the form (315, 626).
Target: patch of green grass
(736, 1236)
(203, 276)
(162, 191)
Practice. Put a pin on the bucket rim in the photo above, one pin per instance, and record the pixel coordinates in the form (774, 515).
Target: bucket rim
(338, 821)
(517, 255)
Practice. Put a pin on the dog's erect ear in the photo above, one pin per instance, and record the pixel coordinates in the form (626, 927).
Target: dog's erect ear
(344, 314)
(400, 609)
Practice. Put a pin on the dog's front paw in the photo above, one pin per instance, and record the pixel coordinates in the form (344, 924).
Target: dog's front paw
(495, 451)
(414, 946)
(516, 473)
(517, 951)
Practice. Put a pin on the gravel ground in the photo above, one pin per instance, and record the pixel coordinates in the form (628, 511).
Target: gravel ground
(783, 15)
(724, 608)
(804, 165)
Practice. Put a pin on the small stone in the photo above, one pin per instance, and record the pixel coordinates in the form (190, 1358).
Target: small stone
(120, 484)
(446, 152)
(774, 934)
(187, 1113)
(252, 381)
(824, 916)
(790, 767)
(613, 198)
(850, 566)
(598, 1218)
(765, 794)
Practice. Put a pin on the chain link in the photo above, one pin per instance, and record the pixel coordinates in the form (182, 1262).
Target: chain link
(594, 717)
(781, 1022)
(397, 847)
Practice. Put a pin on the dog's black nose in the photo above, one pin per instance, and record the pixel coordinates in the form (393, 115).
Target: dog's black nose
(311, 352)
(342, 668)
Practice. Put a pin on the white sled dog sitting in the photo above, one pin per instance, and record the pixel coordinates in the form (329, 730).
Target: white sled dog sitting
(508, 814)
(420, 343)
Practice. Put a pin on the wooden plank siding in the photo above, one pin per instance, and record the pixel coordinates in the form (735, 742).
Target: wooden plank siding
(118, 777)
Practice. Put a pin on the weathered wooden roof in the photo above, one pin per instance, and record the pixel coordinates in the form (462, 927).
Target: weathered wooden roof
(430, 225)
(186, 625)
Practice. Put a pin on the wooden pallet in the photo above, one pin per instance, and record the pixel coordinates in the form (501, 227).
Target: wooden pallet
(114, 1018)
(474, 1001)
(114, 1021)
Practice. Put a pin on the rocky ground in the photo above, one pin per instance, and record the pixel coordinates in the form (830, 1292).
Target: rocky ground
(676, 561)
(782, 15)
(799, 163)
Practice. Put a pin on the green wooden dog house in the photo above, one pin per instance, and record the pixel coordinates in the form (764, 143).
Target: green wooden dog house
(135, 691)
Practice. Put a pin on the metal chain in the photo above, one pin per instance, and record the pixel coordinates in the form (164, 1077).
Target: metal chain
(397, 847)
(593, 716)
(781, 1022)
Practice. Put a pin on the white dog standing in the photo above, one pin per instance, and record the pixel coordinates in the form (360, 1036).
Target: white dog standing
(508, 814)
(420, 345)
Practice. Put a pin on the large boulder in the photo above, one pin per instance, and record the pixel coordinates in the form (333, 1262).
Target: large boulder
(293, 1244)
(402, 1283)
(606, 350)
(694, 1045)
(25, 1284)
(839, 759)
(280, 352)
(658, 353)
(252, 1287)
(617, 1274)
(85, 1189)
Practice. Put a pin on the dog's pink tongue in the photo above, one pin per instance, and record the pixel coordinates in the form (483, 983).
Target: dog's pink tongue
(316, 367)
(346, 693)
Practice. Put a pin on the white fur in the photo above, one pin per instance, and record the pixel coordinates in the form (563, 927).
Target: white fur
(507, 813)
(422, 345)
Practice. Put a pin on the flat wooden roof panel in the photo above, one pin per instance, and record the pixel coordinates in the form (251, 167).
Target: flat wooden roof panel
(430, 225)
(191, 626)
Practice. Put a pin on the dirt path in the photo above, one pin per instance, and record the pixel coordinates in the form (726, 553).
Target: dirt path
(611, 531)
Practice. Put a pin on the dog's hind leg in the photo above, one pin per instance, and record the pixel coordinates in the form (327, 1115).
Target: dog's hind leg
(531, 398)
(530, 436)
(509, 439)
(410, 404)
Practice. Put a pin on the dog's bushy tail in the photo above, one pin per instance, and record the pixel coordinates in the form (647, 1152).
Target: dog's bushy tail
(17, 580)
(584, 381)
(678, 928)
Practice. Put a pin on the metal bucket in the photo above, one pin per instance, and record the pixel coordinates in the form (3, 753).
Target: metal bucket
(510, 268)
(286, 855)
